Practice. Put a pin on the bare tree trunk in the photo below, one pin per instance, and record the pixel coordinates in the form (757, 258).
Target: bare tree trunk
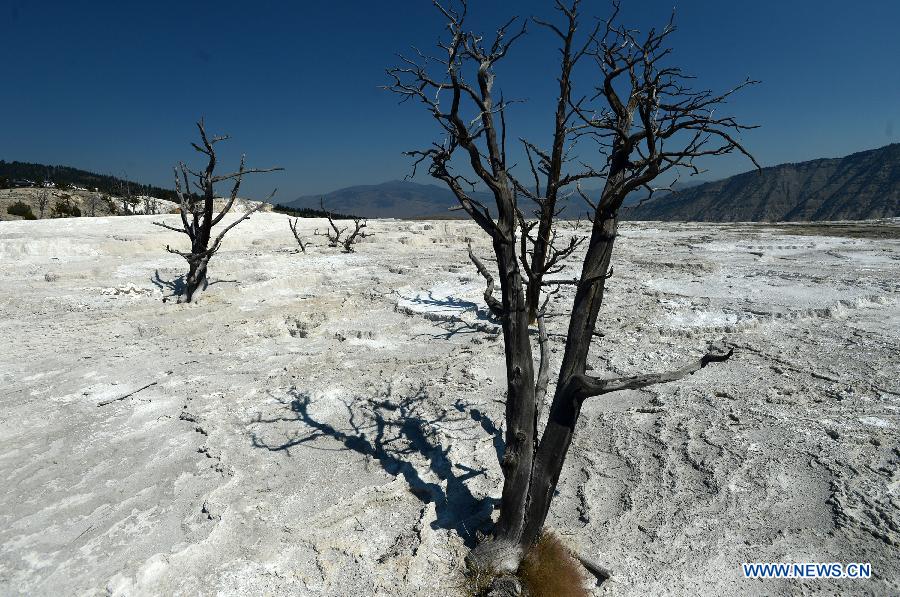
(503, 551)
(292, 224)
(195, 278)
(566, 405)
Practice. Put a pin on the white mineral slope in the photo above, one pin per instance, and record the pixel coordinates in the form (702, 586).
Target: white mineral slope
(328, 424)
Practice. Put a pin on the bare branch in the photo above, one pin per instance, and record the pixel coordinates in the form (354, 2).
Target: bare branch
(129, 394)
(493, 304)
(593, 386)
(543, 376)
(600, 573)
(243, 217)
(293, 226)
(164, 225)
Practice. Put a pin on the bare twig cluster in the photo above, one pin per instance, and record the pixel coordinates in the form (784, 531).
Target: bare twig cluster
(197, 213)
(640, 120)
(341, 236)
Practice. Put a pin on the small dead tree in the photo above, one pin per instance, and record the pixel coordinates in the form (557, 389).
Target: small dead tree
(125, 194)
(43, 201)
(646, 121)
(197, 213)
(151, 204)
(93, 201)
(109, 200)
(338, 236)
(357, 235)
(293, 226)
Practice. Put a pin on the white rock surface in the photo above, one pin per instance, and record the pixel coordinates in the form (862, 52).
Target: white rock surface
(327, 424)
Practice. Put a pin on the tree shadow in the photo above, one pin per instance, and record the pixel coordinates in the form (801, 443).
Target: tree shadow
(455, 328)
(176, 286)
(453, 323)
(429, 301)
(395, 433)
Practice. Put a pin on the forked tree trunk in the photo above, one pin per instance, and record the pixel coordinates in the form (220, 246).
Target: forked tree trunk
(197, 259)
(567, 400)
(522, 520)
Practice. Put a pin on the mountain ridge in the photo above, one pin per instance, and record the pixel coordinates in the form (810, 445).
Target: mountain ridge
(406, 199)
(863, 185)
(860, 186)
(390, 199)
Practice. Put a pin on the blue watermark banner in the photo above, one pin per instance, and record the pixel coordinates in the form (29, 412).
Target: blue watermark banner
(806, 570)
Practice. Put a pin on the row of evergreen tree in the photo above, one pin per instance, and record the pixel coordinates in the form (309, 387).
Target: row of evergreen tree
(64, 176)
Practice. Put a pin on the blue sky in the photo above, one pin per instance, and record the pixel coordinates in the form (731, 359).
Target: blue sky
(116, 86)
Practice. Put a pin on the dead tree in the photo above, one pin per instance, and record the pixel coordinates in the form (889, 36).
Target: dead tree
(197, 213)
(151, 204)
(332, 233)
(337, 236)
(93, 201)
(43, 200)
(357, 235)
(125, 193)
(646, 122)
(300, 241)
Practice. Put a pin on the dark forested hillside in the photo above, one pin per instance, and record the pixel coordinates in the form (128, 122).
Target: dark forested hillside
(308, 212)
(66, 175)
(860, 186)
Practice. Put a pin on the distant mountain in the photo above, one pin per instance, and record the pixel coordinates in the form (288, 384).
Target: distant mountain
(66, 175)
(404, 199)
(641, 194)
(394, 199)
(861, 186)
